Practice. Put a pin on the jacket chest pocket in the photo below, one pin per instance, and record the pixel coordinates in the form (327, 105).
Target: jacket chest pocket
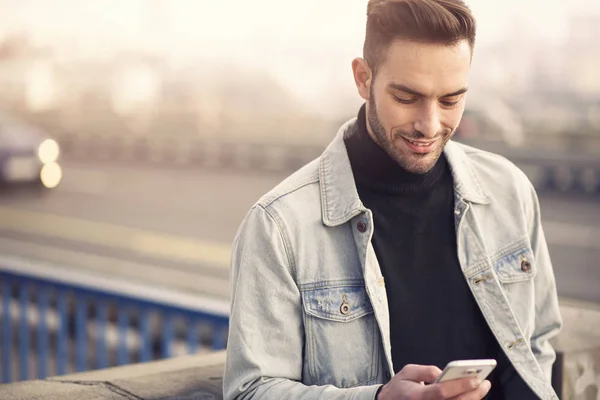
(341, 336)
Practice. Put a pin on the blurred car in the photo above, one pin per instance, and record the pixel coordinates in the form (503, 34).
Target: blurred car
(27, 155)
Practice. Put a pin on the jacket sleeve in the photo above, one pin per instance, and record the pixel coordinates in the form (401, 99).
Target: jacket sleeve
(548, 321)
(266, 333)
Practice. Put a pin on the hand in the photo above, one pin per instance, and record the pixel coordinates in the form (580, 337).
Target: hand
(409, 384)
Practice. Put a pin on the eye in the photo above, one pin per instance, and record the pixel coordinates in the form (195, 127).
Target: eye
(449, 103)
(403, 101)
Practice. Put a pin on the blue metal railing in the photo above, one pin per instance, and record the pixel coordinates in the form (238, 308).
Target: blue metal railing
(56, 322)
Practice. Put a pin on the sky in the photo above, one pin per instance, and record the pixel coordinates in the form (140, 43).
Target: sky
(306, 44)
(307, 22)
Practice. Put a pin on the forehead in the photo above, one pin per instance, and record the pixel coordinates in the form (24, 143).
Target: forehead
(426, 67)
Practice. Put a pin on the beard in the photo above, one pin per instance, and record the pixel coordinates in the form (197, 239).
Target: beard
(394, 144)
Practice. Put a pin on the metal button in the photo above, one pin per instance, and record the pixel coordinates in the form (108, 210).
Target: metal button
(525, 265)
(345, 309)
(457, 211)
(362, 227)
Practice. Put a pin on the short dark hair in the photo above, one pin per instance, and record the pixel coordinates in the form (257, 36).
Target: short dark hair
(428, 21)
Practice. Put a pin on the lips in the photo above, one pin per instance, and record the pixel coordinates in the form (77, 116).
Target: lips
(418, 146)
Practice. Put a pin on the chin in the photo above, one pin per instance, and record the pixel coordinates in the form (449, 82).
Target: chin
(418, 165)
(420, 169)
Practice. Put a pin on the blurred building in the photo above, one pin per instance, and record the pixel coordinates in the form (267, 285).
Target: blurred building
(26, 73)
(555, 87)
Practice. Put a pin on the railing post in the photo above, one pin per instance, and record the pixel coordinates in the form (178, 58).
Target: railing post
(6, 332)
(43, 332)
(101, 351)
(167, 336)
(80, 332)
(123, 321)
(62, 353)
(192, 338)
(24, 331)
(146, 350)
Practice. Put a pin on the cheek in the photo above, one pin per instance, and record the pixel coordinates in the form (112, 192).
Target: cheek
(451, 118)
(394, 115)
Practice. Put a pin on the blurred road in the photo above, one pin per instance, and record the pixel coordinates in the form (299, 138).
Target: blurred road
(173, 227)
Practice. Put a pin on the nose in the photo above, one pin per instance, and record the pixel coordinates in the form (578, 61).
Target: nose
(428, 121)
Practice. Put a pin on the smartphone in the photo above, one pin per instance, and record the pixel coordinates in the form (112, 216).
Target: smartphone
(466, 369)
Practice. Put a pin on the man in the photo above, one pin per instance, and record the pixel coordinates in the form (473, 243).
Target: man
(398, 250)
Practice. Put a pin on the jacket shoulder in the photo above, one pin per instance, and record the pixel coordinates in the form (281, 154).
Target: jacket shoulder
(303, 180)
(496, 171)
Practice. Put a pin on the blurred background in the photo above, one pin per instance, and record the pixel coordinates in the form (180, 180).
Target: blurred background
(135, 135)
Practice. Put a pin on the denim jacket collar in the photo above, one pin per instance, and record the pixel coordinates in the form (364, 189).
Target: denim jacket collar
(466, 182)
(339, 196)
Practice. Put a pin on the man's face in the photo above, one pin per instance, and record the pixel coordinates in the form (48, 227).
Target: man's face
(416, 100)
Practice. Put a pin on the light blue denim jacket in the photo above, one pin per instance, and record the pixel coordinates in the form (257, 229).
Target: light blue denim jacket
(298, 256)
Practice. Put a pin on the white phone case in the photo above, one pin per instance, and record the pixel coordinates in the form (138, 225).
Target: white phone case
(466, 369)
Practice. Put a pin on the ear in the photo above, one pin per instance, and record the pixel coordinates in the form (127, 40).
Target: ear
(362, 77)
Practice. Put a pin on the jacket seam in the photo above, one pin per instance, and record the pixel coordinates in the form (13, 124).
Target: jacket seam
(286, 242)
(327, 284)
(267, 202)
(324, 194)
(510, 248)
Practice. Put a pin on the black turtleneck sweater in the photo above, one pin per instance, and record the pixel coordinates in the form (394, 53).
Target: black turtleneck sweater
(434, 318)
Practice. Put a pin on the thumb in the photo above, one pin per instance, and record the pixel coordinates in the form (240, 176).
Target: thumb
(420, 373)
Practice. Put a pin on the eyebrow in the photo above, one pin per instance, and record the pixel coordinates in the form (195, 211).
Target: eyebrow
(406, 89)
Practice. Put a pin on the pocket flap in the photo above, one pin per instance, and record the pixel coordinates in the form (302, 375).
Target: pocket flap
(516, 266)
(341, 303)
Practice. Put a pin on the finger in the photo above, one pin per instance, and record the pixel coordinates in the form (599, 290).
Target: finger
(420, 373)
(453, 388)
(476, 394)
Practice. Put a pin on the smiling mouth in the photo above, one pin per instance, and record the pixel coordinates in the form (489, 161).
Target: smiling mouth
(420, 146)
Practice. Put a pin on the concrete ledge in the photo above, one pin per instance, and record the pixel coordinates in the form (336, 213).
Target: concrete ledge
(35, 390)
(150, 368)
(181, 378)
(199, 377)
